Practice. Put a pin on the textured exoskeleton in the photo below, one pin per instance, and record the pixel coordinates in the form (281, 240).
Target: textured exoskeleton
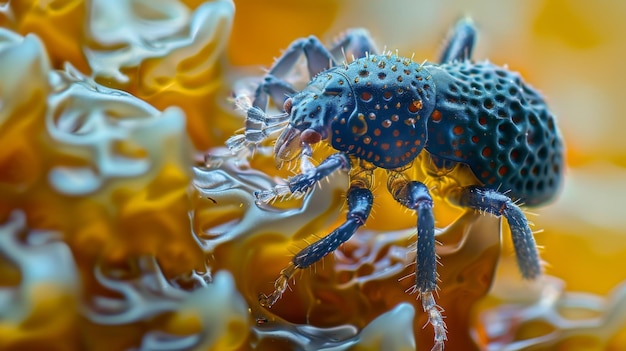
(384, 110)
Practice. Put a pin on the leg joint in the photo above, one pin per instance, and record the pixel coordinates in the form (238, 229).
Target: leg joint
(486, 200)
(359, 204)
(414, 195)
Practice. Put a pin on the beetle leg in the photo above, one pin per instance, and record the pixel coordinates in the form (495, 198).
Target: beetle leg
(356, 42)
(415, 195)
(359, 206)
(275, 86)
(491, 201)
(318, 59)
(259, 125)
(278, 89)
(317, 56)
(301, 183)
(461, 43)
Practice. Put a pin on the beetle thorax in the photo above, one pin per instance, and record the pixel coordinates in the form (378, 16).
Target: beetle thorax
(393, 99)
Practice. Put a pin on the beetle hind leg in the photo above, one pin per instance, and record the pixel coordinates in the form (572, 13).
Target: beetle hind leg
(415, 195)
(494, 202)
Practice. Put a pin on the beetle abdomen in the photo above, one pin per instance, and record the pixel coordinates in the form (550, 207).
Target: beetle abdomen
(488, 118)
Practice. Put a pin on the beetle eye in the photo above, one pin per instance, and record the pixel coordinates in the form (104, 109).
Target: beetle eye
(287, 106)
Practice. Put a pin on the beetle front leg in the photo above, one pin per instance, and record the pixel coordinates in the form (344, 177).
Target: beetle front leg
(259, 125)
(301, 183)
(318, 59)
(355, 42)
(415, 195)
(491, 201)
(359, 206)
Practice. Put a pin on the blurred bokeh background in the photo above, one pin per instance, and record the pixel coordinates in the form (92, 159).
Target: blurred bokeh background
(113, 232)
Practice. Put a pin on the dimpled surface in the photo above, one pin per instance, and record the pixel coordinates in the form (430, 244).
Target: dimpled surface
(488, 118)
(394, 95)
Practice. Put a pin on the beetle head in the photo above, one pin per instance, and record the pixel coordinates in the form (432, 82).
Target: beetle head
(328, 96)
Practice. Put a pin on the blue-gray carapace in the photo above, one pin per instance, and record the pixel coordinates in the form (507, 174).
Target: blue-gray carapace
(382, 110)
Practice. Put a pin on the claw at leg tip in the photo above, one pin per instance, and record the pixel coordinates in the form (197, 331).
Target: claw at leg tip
(435, 318)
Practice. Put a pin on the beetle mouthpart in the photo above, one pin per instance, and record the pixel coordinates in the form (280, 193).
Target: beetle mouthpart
(310, 136)
(288, 145)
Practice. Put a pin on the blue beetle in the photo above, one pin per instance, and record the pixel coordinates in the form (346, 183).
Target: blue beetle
(382, 111)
